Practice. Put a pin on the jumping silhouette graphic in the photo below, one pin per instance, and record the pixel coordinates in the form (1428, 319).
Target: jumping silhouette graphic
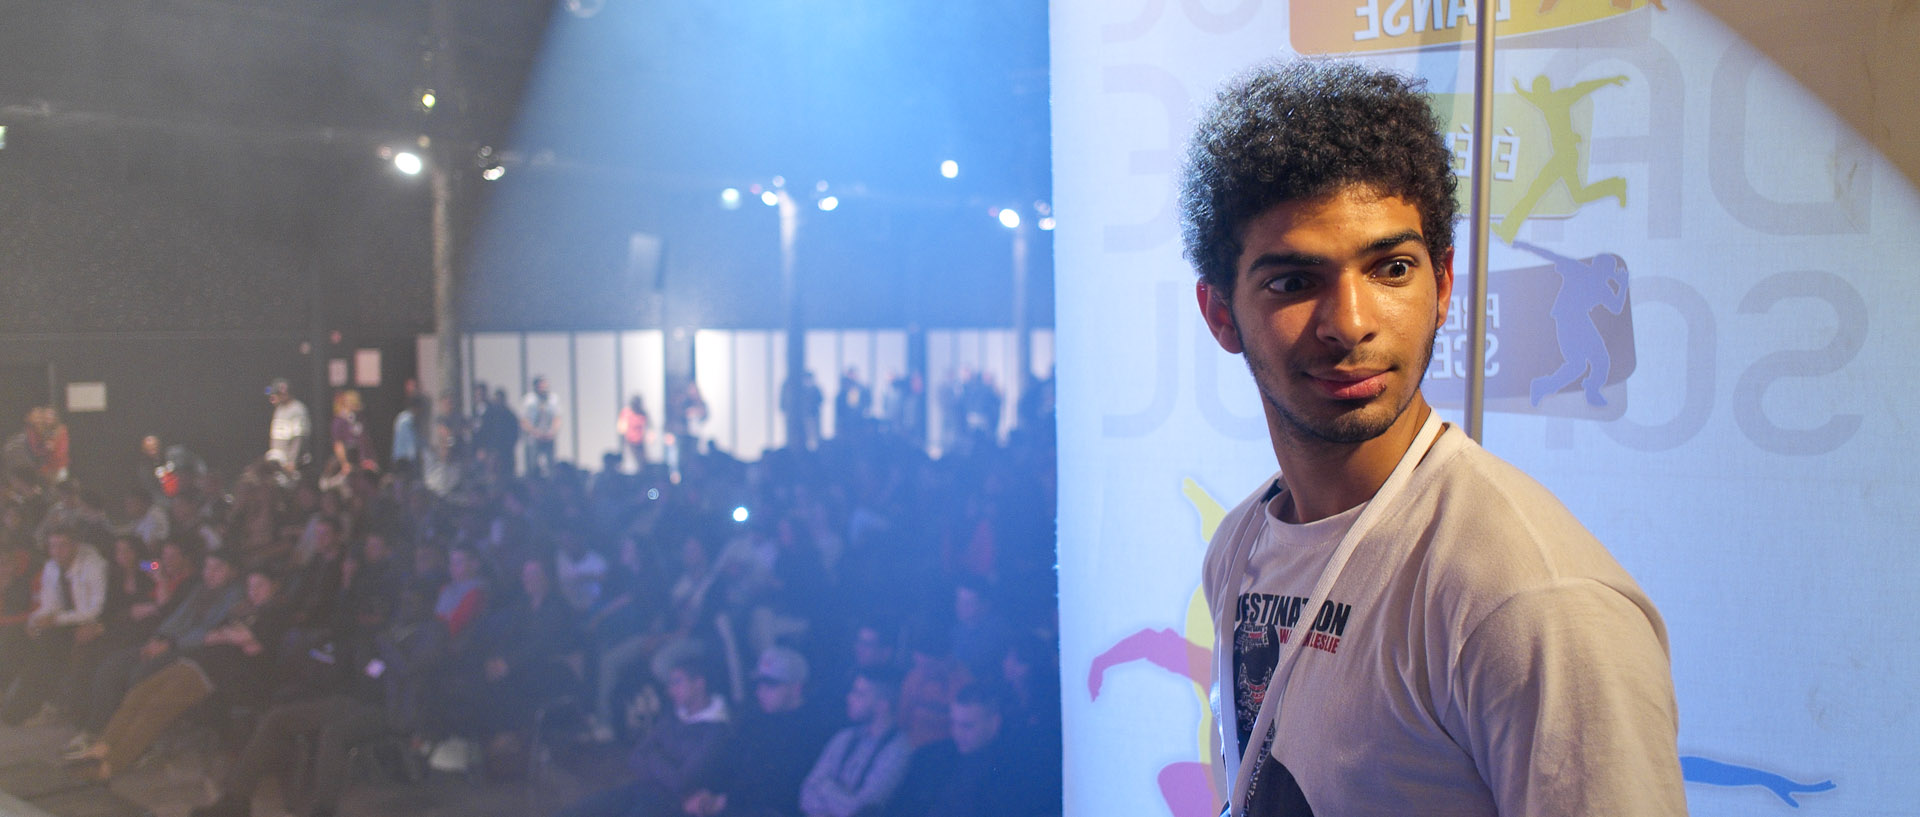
(1584, 285)
(1716, 773)
(1563, 165)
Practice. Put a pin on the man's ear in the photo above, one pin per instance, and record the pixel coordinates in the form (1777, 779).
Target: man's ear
(1219, 317)
(1443, 287)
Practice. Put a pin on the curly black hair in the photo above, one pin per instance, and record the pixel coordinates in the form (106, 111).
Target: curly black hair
(1299, 130)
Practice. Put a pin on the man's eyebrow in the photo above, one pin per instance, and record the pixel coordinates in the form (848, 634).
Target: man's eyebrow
(1301, 259)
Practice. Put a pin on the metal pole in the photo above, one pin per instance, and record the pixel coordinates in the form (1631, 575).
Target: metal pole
(446, 313)
(1482, 179)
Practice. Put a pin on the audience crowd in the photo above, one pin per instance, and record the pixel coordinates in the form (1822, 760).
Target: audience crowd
(849, 628)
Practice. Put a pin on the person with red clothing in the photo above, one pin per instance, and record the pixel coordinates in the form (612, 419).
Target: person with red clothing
(464, 595)
(632, 427)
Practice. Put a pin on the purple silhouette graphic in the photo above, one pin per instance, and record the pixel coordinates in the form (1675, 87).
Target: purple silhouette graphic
(1599, 282)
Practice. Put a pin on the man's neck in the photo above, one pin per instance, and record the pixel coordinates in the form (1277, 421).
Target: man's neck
(1324, 479)
(880, 725)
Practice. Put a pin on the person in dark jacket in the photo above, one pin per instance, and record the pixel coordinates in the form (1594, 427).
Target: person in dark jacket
(679, 757)
(235, 660)
(773, 748)
(376, 690)
(980, 771)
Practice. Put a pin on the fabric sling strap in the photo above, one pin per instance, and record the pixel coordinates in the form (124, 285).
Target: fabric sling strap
(1240, 776)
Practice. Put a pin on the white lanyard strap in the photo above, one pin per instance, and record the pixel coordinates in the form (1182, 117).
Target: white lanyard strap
(1302, 630)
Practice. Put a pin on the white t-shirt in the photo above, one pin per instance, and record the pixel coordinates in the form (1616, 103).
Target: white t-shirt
(1481, 654)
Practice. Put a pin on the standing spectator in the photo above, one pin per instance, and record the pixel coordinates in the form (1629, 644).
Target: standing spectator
(863, 763)
(287, 434)
(410, 429)
(633, 426)
(151, 468)
(351, 447)
(48, 443)
(73, 592)
(540, 420)
(498, 433)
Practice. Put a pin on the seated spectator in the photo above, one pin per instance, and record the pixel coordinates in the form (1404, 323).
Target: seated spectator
(932, 679)
(980, 634)
(463, 597)
(626, 628)
(768, 759)
(235, 660)
(528, 653)
(679, 757)
(579, 570)
(863, 763)
(172, 582)
(73, 592)
(979, 772)
(376, 690)
(146, 518)
(17, 587)
(203, 610)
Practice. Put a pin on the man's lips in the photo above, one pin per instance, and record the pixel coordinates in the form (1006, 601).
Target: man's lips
(1350, 385)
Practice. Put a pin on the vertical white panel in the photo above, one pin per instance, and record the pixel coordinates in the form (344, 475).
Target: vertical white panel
(713, 371)
(1042, 352)
(548, 354)
(856, 353)
(996, 361)
(823, 361)
(753, 405)
(597, 390)
(642, 362)
(943, 367)
(496, 362)
(889, 358)
(776, 375)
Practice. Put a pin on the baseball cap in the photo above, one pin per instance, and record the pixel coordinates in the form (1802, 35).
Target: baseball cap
(781, 665)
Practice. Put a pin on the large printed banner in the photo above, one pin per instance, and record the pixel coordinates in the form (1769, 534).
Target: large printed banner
(1698, 337)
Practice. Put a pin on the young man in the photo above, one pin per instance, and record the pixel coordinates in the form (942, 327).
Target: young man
(863, 763)
(1480, 653)
(540, 420)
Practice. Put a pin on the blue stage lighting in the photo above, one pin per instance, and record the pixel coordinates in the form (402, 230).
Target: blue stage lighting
(740, 514)
(949, 168)
(730, 198)
(828, 203)
(1009, 217)
(770, 198)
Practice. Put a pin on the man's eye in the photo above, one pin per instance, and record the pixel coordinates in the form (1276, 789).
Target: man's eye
(1397, 268)
(1288, 283)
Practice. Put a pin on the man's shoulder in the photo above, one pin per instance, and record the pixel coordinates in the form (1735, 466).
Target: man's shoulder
(1487, 533)
(1235, 526)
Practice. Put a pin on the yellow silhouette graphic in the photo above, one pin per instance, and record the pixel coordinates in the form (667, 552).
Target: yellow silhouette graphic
(1563, 164)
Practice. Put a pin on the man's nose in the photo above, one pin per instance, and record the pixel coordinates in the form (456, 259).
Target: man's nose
(1347, 313)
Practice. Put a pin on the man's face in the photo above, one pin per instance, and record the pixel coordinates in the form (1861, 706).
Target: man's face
(1335, 304)
(974, 727)
(150, 446)
(869, 649)
(61, 549)
(216, 572)
(688, 691)
(540, 387)
(775, 697)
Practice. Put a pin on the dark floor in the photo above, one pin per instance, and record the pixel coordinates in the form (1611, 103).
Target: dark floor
(175, 778)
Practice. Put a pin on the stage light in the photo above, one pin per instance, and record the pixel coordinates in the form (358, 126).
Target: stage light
(1009, 218)
(3, 137)
(949, 168)
(740, 514)
(820, 186)
(730, 198)
(1045, 223)
(769, 198)
(408, 162)
(653, 493)
(828, 203)
(493, 173)
(427, 99)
